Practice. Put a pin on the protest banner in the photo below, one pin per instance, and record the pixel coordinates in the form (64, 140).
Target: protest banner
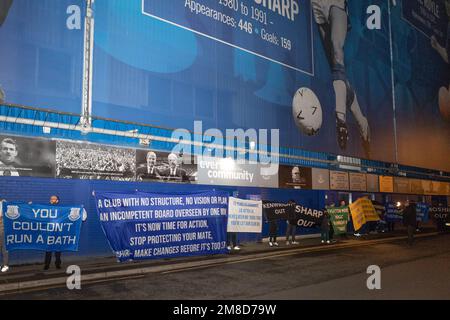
(339, 217)
(244, 216)
(304, 216)
(362, 211)
(150, 225)
(41, 227)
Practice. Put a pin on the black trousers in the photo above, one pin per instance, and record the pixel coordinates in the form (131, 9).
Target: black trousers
(411, 230)
(48, 258)
(291, 230)
(391, 226)
(273, 230)
(231, 239)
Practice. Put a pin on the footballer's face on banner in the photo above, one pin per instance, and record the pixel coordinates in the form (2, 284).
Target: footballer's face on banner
(296, 174)
(151, 159)
(173, 160)
(8, 151)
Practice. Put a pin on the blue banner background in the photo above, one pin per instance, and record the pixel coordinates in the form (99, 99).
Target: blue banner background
(41, 59)
(125, 238)
(422, 212)
(392, 213)
(430, 19)
(297, 28)
(42, 225)
(147, 70)
(420, 73)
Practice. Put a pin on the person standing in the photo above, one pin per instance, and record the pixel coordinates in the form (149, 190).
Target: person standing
(232, 241)
(54, 200)
(325, 227)
(291, 222)
(273, 230)
(4, 253)
(409, 220)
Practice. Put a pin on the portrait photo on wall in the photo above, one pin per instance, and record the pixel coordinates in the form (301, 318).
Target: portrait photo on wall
(26, 157)
(165, 166)
(93, 161)
(295, 177)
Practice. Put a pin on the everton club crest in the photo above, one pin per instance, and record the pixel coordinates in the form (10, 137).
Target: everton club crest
(74, 214)
(12, 212)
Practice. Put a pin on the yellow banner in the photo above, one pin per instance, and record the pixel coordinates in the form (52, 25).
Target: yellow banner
(363, 211)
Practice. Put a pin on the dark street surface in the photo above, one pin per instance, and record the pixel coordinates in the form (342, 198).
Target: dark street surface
(418, 272)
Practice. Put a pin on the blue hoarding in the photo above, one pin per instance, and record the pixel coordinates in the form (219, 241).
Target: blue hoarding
(422, 75)
(41, 56)
(168, 63)
(280, 32)
(428, 17)
(239, 64)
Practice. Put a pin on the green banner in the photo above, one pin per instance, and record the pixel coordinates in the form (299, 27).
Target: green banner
(339, 217)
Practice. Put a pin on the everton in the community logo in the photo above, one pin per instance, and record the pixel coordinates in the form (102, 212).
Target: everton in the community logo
(74, 214)
(12, 212)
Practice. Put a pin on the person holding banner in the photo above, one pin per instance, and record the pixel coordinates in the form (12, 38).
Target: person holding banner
(291, 225)
(54, 200)
(232, 241)
(4, 253)
(325, 227)
(409, 220)
(273, 230)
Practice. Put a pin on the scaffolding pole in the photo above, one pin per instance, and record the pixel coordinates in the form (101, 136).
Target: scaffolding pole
(86, 108)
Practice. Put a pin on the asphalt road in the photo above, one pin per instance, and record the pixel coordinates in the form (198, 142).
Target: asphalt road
(418, 272)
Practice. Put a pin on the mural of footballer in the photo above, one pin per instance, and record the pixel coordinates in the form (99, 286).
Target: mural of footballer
(332, 18)
(444, 52)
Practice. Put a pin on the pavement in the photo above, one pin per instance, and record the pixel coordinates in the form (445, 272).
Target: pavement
(423, 279)
(27, 278)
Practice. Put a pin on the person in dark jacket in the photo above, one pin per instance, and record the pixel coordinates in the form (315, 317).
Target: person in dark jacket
(291, 224)
(409, 220)
(54, 200)
(273, 230)
(325, 227)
